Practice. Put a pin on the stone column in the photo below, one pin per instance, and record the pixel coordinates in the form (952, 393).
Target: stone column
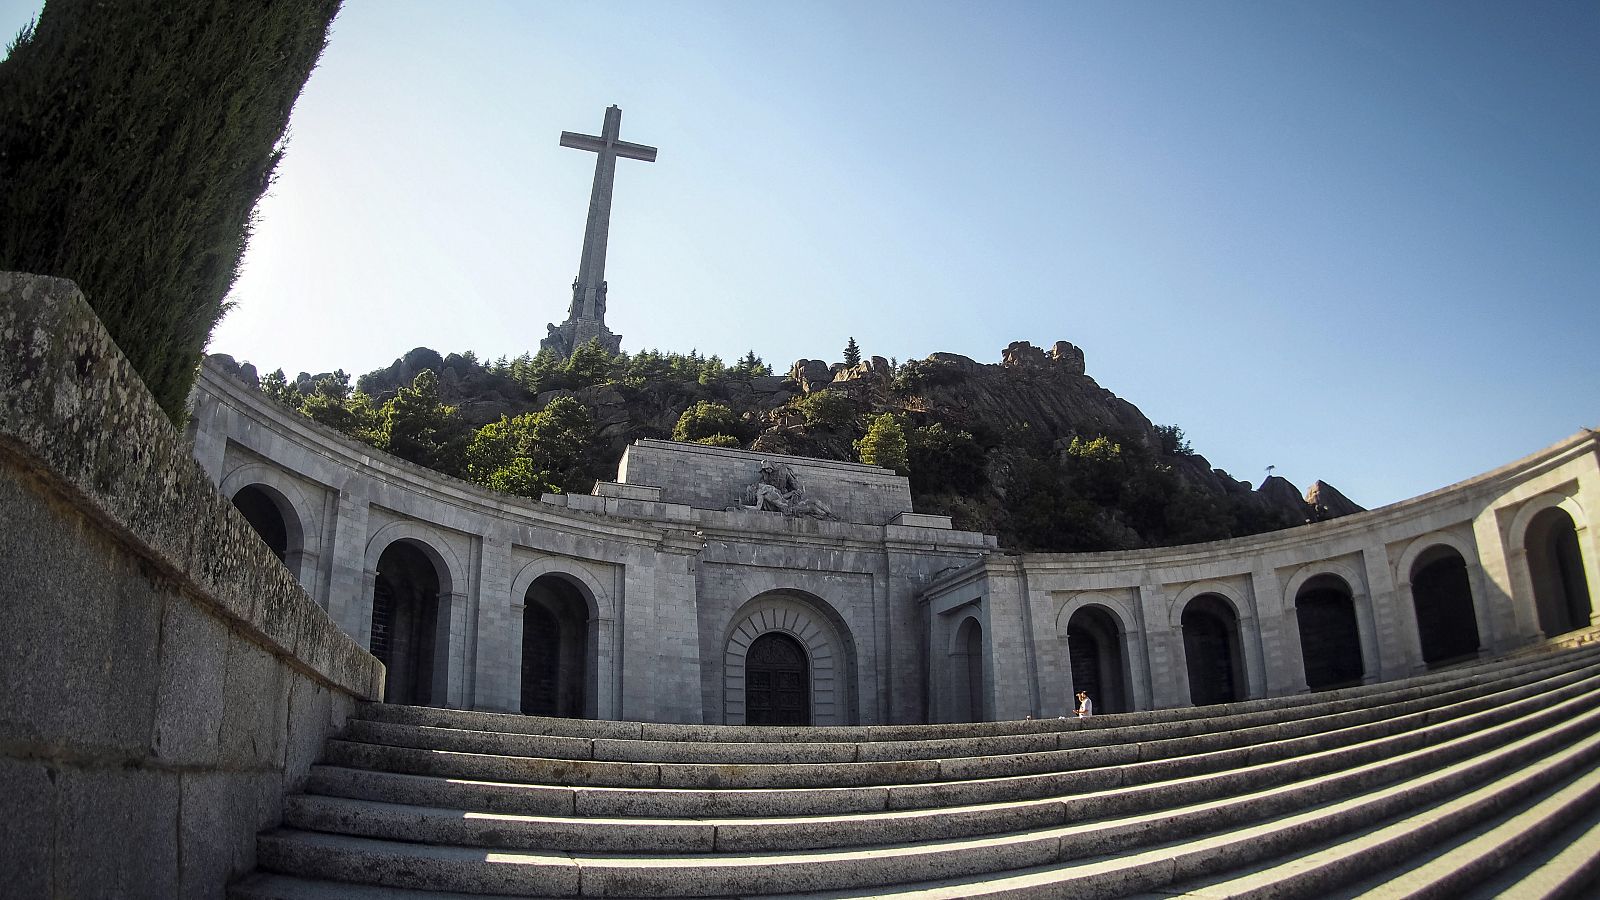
(661, 642)
(498, 681)
(350, 582)
(1010, 682)
(1502, 591)
(1169, 677)
(1277, 638)
(1394, 615)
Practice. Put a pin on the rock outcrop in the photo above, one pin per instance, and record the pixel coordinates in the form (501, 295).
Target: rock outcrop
(1326, 502)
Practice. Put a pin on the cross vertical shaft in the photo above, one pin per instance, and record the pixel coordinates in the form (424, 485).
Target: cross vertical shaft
(586, 316)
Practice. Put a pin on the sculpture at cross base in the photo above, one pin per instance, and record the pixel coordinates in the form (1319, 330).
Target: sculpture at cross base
(586, 316)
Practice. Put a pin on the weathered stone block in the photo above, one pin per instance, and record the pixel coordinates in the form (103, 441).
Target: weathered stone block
(194, 659)
(27, 822)
(117, 834)
(82, 626)
(255, 707)
(217, 832)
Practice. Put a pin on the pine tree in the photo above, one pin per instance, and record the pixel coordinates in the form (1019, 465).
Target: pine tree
(852, 353)
(135, 140)
(885, 444)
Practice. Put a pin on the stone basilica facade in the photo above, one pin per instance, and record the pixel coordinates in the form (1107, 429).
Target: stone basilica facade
(665, 596)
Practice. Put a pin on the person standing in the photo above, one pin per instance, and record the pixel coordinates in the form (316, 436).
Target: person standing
(1085, 705)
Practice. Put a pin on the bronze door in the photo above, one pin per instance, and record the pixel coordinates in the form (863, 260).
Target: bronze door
(777, 682)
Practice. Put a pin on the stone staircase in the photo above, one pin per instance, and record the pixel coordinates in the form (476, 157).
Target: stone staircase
(1480, 781)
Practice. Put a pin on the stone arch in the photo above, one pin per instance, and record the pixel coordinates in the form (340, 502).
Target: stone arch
(969, 672)
(1131, 640)
(820, 631)
(1556, 573)
(425, 619)
(1213, 648)
(1443, 604)
(1097, 655)
(1554, 585)
(302, 538)
(1429, 548)
(600, 638)
(1330, 635)
(1244, 609)
(430, 540)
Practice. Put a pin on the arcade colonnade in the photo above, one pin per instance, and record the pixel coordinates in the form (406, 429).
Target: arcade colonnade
(1503, 561)
(627, 605)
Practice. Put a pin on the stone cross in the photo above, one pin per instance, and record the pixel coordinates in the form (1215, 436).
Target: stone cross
(589, 291)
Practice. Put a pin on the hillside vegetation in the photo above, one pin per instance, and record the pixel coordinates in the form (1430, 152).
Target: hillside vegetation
(1030, 449)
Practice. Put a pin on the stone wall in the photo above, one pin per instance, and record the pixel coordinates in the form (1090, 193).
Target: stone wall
(1024, 604)
(165, 679)
(714, 478)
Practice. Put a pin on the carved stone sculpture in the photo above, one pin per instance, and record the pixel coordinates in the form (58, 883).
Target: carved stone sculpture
(779, 490)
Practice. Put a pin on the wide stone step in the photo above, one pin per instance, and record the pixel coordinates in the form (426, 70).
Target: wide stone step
(1021, 753)
(1182, 754)
(1444, 850)
(1188, 868)
(1264, 710)
(1479, 855)
(1365, 695)
(1567, 866)
(546, 873)
(1216, 771)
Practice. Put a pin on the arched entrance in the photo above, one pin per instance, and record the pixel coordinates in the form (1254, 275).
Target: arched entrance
(405, 623)
(1094, 651)
(555, 649)
(1555, 564)
(966, 673)
(265, 515)
(825, 645)
(1441, 594)
(1212, 652)
(777, 681)
(1330, 639)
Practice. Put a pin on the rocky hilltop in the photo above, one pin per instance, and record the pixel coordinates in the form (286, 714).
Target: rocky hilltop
(1030, 448)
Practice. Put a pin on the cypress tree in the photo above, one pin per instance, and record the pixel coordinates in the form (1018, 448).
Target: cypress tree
(135, 139)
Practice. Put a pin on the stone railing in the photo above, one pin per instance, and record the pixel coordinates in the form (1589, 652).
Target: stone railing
(163, 679)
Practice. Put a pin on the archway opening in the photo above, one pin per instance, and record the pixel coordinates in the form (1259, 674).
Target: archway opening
(966, 671)
(555, 649)
(1212, 652)
(1330, 639)
(262, 512)
(1560, 588)
(777, 679)
(1441, 593)
(405, 623)
(1094, 649)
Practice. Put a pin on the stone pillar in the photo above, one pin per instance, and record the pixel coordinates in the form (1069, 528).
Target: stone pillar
(1502, 591)
(1277, 638)
(350, 582)
(1394, 616)
(1169, 677)
(661, 642)
(208, 434)
(1011, 681)
(498, 670)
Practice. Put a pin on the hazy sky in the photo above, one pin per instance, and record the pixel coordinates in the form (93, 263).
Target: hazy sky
(1357, 241)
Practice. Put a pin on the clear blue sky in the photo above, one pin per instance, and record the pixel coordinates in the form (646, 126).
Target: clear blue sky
(1357, 241)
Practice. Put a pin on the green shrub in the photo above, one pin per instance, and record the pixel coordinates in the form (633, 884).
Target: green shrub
(706, 419)
(829, 409)
(885, 444)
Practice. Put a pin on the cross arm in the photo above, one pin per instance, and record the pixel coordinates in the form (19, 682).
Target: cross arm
(582, 142)
(634, 151)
